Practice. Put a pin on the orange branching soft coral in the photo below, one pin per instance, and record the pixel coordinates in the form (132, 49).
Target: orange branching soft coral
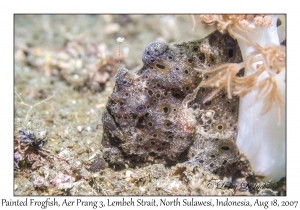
(262, 89)
(238, 25)
(207, 19)
(263, 21)
(221, 77)
(268, 91)
(273, 58)
(230, 21)
(270, 59)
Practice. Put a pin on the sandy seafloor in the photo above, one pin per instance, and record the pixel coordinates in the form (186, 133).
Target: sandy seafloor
(73, 59)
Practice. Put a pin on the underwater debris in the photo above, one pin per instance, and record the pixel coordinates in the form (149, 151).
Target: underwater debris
(29, 139)
(31, 106)
(62, 181)
(159, 114)
(96, 164)
(28, 146)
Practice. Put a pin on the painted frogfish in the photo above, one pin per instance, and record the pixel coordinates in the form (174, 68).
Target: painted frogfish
(159, 114)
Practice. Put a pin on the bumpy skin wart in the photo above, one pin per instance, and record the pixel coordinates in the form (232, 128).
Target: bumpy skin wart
(158, 115)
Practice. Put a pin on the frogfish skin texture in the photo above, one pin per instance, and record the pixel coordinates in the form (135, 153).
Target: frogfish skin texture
(158, 114)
